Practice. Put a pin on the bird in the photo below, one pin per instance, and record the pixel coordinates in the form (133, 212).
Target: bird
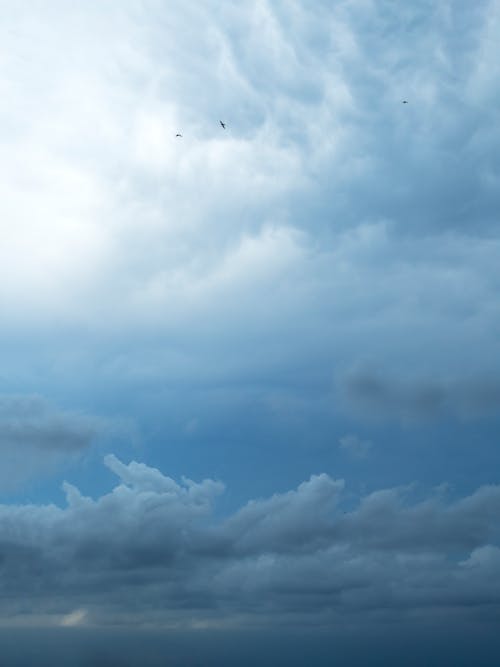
(405, 102)
(178, 135)
(223, 125)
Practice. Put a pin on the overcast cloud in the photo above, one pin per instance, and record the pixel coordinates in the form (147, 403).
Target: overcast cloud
(327, 201)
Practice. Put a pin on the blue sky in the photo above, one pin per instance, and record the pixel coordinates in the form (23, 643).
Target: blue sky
(299, 312)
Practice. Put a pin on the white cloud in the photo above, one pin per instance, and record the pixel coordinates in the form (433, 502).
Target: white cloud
(326, 210)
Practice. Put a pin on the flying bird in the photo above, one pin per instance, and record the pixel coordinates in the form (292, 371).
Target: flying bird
(178, 135)
(223, 125)
(405, 101)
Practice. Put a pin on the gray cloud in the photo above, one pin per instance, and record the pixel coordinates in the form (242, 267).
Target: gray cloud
(154, 549)
(380, 395)
(31, 421)
(36, 436)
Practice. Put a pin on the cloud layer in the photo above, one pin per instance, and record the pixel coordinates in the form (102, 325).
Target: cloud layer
(152, 551)
(329, 222)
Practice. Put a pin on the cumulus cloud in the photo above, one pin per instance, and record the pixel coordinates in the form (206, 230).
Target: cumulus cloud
(154, 551)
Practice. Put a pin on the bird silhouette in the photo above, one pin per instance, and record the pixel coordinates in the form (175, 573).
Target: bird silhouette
(178, 135)
(223, 125)
(405, 101)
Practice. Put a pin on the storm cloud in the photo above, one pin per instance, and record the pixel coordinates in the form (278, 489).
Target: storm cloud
(153, 551)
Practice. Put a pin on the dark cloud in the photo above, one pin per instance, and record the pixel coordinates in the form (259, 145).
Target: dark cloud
(153, 550)
(31, 421)
(36, 436)
(374, 394)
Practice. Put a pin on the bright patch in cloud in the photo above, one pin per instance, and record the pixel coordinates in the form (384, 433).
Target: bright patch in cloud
(75, 618)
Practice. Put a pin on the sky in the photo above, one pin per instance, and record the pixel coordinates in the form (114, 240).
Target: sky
(249, 376)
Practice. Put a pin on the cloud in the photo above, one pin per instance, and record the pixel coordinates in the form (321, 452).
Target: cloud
(380, 396)
(327, 224)
(31, 421)
(355, 446)
(154, 551)
(374, 394)
(36, 436)
(230, 276)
